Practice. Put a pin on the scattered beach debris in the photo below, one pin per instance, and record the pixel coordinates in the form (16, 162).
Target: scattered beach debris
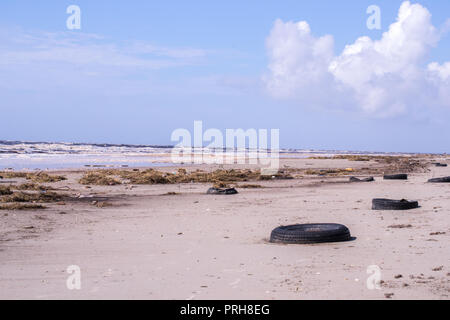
(388, 204)
(310, 233)
(438, 268)
(400, 226)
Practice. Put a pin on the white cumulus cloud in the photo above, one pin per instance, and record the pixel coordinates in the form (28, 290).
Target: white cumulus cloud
(384, 77)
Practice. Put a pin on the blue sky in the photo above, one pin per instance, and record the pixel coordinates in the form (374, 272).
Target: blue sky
(136, 72)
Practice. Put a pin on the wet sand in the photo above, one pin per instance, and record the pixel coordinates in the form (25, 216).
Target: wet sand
(189, 245)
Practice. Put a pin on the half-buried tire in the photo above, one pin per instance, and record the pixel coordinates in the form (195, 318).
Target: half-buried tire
(310, 233)
(401, 176)
(438, 164)
(440, 180)
(221, 191)
(355, 179)
(388, 204)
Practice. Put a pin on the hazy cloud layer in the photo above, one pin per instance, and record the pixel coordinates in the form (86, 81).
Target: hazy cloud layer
(384, 77)
(20, 47)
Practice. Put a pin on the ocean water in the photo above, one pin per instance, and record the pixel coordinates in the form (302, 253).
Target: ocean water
(19, 155)
(40, 156)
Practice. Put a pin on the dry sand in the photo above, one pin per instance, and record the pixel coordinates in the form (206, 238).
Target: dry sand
(190, 245)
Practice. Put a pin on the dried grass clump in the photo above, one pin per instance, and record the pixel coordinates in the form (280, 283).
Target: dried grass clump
(102, 204)
(152, 176)
(20, 206)
(351, 157)
(171, 193)
(31, 187)
(329, 172)
(12, 174)
(250, 186)
(43, 177)
(98, 178)
(319, 158)
(401, 164)
(5, 190)
(220, 178)
(31, 197)
(36, 177)
(219, 185)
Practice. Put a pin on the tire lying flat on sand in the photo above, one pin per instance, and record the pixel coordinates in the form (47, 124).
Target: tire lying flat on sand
(440, 180)
(355, 179)
(388, 204)
(401, 176)
(221, 191)
(310, 233)
(438, 164)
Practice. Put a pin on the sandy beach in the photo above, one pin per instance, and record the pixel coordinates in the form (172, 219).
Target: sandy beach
(173, 241)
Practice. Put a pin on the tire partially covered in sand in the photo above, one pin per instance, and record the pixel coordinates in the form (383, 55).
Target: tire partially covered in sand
(310, 233)
(221, 191)
(401, 176)
(438, 164)
(440, 180)
(388, 204)
(355, 179)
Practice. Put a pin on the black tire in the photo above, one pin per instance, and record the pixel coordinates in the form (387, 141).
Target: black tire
(440, 180)
(354, 179)
(387, 204)
(437, 164)
(310, 233)
(401, 176)
(221, 191)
